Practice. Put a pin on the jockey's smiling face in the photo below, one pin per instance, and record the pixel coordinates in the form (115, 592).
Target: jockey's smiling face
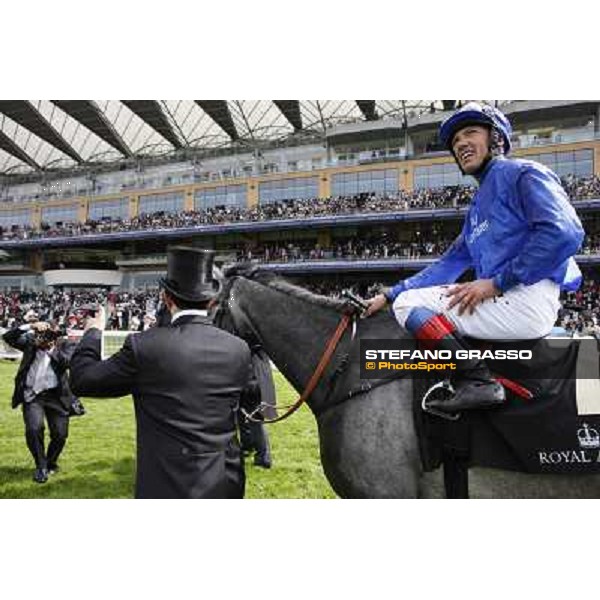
(471, 146)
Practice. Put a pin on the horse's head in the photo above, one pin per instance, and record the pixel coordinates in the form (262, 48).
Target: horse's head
(241, 271)
(249, 294)
(229, 315)
(290, 323)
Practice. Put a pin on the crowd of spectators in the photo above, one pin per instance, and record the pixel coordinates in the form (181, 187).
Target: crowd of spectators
(134, 311)
(591, 244)
(351, 249)
(452, 196)
(582, 188)
(580, 312)
(378, 247)
(334, 289)
(126, 311)
(448, 197)
(578, 188)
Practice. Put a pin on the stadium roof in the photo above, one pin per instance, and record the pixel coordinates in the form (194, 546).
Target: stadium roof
(52, 135)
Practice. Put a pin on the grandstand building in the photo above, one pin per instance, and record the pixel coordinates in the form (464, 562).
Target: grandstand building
(92, 193)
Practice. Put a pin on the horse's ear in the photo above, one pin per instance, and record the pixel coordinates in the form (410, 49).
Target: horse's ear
(218, 274)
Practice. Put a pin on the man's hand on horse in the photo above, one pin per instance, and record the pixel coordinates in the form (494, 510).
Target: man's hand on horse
(469, 295)
(376, 303)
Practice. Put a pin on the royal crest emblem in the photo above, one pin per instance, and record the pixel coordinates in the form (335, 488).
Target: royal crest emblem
(588, 437)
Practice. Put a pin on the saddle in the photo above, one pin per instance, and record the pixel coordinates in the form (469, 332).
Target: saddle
(556, 430)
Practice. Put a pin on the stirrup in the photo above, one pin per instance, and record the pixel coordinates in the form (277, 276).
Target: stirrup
(443, 387)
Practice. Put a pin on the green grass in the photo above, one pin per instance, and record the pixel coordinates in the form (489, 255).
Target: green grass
(98, 460)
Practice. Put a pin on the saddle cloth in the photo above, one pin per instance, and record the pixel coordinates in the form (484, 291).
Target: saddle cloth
(556, 431)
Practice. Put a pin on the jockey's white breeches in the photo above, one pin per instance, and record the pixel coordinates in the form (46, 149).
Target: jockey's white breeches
(524, 312)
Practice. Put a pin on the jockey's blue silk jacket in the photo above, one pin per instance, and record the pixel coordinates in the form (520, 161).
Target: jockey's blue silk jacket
(520, 229)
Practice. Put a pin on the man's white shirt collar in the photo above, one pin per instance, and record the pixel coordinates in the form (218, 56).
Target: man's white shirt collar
(189, 312)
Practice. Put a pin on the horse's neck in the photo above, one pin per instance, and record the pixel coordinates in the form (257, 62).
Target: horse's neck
(293, 331)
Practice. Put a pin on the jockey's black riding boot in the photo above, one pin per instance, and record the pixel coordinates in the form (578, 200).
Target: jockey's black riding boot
(473, 383)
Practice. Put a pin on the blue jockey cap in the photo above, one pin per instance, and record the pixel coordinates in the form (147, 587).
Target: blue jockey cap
(475, 113)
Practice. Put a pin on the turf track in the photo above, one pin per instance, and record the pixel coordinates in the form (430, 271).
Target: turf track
(98, 461)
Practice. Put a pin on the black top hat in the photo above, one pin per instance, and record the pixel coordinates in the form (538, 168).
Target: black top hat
(189, 274)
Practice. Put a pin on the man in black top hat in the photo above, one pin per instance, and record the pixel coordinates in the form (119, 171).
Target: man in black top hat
(187, 381)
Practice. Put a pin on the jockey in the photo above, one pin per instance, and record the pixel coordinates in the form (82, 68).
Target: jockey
(520, 236)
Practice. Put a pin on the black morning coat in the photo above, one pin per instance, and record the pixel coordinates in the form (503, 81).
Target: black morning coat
(59, 361)
(187, 382)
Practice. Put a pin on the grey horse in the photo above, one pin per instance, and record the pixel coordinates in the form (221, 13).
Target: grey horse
(368, 444)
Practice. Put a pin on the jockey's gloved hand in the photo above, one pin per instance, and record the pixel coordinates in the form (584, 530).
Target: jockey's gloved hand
(375, 304)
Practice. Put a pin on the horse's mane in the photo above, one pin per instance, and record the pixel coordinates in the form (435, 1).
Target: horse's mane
(269, 279)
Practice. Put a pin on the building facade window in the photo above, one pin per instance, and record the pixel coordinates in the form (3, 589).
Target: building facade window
(224, 195)
(10, 284)
(113, 209)
(384, 181)
(146, 280)
(24, 283)
(59, 214)
(8, 218)
(288, 189)
(575, 162)
(439, 175)
(169, 203)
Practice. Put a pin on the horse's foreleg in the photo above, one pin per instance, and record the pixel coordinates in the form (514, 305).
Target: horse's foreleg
(369, 447)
